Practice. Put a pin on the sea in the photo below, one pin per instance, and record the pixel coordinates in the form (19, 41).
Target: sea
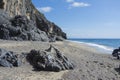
(103, 45)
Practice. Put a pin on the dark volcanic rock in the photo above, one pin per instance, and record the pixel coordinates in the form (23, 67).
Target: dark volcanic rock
(26, 8)
(20, 28)
(49, 60)
(116, 53)
(9, 59)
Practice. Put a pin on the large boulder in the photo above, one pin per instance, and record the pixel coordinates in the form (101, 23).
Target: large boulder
(116, 53)
(9, 59)
(49, 60)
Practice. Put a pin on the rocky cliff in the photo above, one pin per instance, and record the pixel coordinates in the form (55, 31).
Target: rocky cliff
(34, 18)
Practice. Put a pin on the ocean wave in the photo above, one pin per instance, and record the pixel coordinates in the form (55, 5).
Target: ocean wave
(101, 46)
(107, 48)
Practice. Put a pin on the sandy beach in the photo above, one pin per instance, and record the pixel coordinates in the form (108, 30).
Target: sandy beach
(90, 64)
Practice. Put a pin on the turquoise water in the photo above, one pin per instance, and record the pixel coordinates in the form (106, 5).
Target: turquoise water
(106, 44)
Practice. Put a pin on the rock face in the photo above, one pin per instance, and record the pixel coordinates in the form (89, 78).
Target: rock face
(9, 59)
(49, 60)
(26, 8)
(20, 28)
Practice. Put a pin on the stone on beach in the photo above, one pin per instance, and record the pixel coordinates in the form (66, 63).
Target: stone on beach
(9, 59)
(49, 60)
(116, 53)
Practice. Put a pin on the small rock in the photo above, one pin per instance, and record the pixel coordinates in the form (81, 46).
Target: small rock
(99, 79)
(95, 61)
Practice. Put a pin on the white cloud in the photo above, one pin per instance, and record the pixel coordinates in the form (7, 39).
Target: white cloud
(74, 3)
(69, 1)
(80, 4)
(45, 9)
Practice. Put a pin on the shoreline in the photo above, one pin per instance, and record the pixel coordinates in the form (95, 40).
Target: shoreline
(90, 64)
(101, 48)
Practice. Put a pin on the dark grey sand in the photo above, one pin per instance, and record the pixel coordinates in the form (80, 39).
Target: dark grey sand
(90, 63)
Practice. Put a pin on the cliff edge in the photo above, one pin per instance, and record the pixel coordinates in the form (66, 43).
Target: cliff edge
(22, 21)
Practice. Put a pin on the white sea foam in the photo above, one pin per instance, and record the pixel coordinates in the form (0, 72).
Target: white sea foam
(101, 47)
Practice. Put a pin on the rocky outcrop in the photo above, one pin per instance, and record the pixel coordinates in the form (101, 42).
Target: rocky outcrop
(49, 60)
(26, 8)
(20, 28)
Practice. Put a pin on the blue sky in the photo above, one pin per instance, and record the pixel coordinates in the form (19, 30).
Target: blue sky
(83, 18)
